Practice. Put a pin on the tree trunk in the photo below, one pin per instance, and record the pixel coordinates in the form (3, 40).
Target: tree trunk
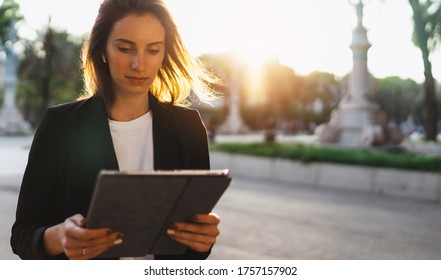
(430, 101)
(47, 71)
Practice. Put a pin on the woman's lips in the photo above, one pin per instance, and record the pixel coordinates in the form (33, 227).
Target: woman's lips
(137, 80)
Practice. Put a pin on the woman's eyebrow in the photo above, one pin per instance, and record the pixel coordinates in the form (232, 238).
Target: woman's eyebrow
(122, 40)
(156, 43)
(133, 43)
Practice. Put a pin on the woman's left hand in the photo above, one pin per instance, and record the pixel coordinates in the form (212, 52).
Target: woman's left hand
(200, 235)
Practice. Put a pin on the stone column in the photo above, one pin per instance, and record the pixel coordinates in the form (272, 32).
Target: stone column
(233, 123)
(360, 86)
(11, 120)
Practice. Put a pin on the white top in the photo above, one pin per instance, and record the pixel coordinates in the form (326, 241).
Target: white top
(133, 144)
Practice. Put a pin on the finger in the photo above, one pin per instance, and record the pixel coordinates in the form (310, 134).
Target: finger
(192, 237)
(78, 219)
(211, 218)
(98, 250)
(78, 254)
(73, 230)
(74, 227)
(206, 229)
(91, 252)
(196, 246)
(76, 244)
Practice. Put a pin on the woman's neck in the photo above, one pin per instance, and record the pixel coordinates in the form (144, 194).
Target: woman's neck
(128, 108)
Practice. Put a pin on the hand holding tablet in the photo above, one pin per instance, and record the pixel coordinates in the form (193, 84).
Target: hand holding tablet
(145, 205)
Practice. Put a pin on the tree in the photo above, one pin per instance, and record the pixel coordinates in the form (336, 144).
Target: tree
(49, 73)
(427, 35)
(9, 15)
(398, 98)
(323, 87)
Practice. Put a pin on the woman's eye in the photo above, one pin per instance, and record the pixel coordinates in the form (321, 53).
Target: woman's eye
(153, 51)
(124, 50)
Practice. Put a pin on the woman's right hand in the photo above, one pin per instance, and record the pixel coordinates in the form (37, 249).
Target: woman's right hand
(77, 242)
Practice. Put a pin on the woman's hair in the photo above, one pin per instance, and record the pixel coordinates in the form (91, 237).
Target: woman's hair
(179, 75)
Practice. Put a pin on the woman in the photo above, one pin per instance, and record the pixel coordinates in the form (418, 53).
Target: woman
(138, 76)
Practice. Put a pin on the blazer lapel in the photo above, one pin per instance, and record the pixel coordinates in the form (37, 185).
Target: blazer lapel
(165, 145)
(100, 132)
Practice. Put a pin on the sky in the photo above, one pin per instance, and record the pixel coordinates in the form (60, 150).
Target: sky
(307, 35)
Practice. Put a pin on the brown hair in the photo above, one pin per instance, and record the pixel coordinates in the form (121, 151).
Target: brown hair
(179, 75)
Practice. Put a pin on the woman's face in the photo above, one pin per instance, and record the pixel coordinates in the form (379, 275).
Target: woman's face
(135, 51)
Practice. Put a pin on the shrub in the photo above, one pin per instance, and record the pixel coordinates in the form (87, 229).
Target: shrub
(310, 153)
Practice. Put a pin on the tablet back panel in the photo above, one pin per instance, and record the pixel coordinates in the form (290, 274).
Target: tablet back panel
(137, 210)
(200, 196)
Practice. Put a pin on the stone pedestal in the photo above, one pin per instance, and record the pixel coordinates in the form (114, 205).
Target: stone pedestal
(360, 125)
(11, 122)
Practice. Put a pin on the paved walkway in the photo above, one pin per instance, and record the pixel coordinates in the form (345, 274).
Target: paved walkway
(13, 157)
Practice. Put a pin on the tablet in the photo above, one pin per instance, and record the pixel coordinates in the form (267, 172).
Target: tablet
(143, 205)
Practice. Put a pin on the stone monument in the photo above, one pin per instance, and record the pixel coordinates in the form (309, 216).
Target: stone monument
(11, 120)
(233, 123)
(358, 121)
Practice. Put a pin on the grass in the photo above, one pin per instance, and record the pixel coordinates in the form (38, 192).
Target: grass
(309, 153)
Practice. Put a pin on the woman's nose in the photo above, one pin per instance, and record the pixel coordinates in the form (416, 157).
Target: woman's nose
(138, 62)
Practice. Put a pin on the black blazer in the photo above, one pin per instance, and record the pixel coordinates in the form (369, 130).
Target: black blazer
(72, 144)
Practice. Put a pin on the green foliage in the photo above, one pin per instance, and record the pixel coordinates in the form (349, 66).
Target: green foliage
(309, 153)
(400, 99)
(271, 90)
(427, 21)
(286, 97)
(9, 15)
(63, 76)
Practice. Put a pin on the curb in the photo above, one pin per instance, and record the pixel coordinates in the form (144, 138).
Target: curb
(383, 181)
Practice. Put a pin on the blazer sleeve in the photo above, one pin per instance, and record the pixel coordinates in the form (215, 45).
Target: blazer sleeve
(197, 145)
(37, 198)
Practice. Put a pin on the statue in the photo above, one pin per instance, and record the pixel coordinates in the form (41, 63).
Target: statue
(358, 121)
(11, 120)
(233, 123)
